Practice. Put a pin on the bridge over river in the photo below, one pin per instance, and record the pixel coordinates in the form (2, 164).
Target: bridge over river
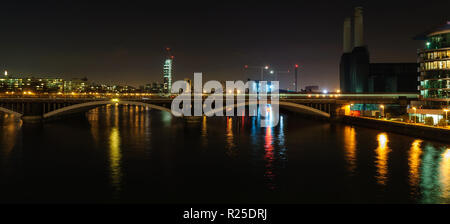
(45, 107)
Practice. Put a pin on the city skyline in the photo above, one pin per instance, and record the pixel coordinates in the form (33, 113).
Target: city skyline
(129, 40)
(225, 111)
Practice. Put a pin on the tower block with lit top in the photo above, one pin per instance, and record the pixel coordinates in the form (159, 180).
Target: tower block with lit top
(168, 70)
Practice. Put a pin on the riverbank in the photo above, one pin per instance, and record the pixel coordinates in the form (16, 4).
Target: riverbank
(414, 130)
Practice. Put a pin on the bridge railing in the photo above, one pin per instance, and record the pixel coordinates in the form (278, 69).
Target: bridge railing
(144, 96)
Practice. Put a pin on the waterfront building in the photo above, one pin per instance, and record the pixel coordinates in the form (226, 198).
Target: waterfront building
(154, 87)
(11, 84)
(17, 84)
(126, 89)
(101, 88)
(76, 85)
(434, 60)
(148, 88)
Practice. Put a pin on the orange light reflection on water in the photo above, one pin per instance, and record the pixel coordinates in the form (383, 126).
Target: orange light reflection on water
(350, 148)
(382, 159)
(414, 163)
(444, 176)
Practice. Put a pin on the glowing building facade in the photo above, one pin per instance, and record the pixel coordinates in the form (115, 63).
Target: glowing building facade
(16, 84)
(434, 69)
(168, 71)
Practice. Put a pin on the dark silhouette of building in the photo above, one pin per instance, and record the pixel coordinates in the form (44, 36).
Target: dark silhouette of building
(354, 66)
(311, 88)
(359, 70)
(358, 75)
(393, 77)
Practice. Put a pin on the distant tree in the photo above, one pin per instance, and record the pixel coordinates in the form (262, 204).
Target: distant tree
(414, 119)
(388, 116)
(405, 118)
(429, 121)
(442, 122)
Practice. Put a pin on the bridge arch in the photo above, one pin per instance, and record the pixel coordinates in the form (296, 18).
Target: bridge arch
(304, 109)
(82, 107)
(8, 111)
(282, 104)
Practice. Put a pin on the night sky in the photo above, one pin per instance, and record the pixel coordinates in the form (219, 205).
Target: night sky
(123, 42)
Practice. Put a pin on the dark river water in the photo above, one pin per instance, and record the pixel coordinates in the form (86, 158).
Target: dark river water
(130, 154)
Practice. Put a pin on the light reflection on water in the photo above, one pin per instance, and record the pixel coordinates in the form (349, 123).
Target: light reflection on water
(350, 148)
(231, 147)
(129, 134)
(382, 157)
(115, 156)
(445, 175)
(429, 181)
(431, 172)
(269, 157)
(8, 133)
(414, 160)
(204, 131)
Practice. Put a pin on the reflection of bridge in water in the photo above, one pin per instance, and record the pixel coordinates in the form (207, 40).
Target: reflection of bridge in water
(322, 105)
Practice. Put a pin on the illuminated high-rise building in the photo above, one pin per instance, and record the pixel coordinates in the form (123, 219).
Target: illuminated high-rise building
(434, 61)
(168, 71)
(434, 68)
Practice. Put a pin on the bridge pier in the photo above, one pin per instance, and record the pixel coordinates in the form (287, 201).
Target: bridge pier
(32, 119)
(33, 112)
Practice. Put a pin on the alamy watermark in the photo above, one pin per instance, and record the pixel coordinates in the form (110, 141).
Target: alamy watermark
(263, 99)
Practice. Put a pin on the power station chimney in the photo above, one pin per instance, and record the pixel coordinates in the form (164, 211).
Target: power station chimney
(347, 46)
(359, 27)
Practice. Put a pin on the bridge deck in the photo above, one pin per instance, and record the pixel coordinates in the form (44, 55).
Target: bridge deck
(328, 103)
